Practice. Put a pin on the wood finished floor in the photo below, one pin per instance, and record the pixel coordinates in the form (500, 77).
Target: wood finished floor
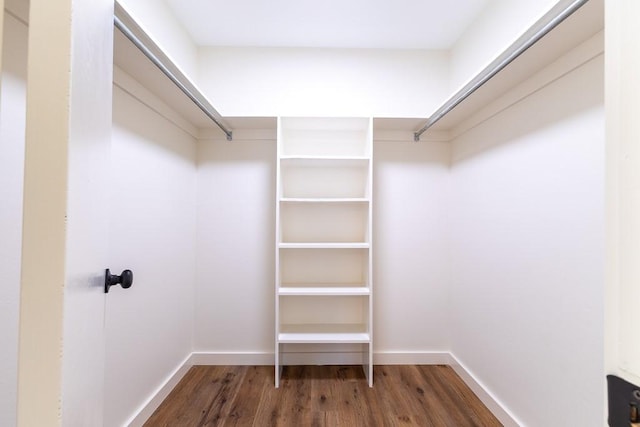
(322, 396)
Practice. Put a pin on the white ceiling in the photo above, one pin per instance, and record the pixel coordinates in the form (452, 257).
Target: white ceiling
(384, 24)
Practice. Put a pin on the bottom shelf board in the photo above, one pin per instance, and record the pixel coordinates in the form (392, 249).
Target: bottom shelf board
(319, 290)
(323, 333)
(324, 245)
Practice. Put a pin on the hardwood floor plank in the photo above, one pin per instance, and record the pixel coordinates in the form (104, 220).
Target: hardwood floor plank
(220, 406)
(322, 396)
(446, 384)
(369, 403)
(190, 399)
(270, 406)
(427, 399)
(346, 399)
(392, 397)
(453, 385)
(323, 389)
(246, 401)
(296, 386)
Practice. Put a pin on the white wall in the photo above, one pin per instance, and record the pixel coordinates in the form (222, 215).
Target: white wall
(527, 221)
(323, 82)
(149, 327)
(236, 240)
(158, 21)
(492, 31)
(12, 127)
(411, 259)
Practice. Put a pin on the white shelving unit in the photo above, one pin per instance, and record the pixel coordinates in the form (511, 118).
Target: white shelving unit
(323, 236)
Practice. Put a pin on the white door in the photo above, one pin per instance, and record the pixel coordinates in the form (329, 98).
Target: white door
(65, 239)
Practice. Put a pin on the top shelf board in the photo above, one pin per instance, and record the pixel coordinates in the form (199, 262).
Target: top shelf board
(329, 124)
(346, 138)
(320, 158)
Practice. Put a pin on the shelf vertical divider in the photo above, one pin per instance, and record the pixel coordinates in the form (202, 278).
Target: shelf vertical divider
(368, 366)
(278, 239)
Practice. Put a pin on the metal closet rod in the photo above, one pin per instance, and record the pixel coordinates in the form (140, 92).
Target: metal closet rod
(206, 109)
(541, 28)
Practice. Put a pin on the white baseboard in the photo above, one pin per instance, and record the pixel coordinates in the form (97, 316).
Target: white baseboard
(232, 358)
(323, 358)
(489, 400)
(412, 358)
(329, 358)
(149, 407)
(289, 358)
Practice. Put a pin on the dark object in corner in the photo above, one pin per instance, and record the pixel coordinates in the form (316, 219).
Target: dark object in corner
(624, 399)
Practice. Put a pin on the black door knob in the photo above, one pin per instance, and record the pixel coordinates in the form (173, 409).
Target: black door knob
(125, 279)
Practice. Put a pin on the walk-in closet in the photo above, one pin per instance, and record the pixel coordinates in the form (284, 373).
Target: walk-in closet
(334, 213)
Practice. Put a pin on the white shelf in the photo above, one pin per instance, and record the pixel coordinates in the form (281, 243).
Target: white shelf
(330, 245)
(323, 228)
(324, 158)
(330, 137)
(323, 333)
(326, 290)
(324, 200)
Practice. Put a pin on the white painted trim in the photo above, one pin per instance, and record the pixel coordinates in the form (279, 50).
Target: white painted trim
(412, 358)
(323, 358)
(490, 401)
(268, 358)
(152, 403)
(257, 358)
